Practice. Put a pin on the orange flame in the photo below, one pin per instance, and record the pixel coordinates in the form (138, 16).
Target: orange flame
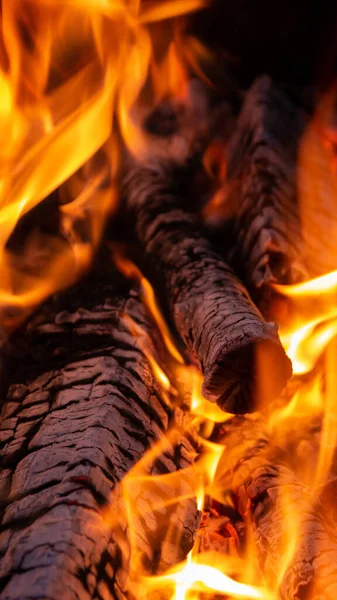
(201, 573)
(199, 576)
(70, 71)
(313, 332)
(307, 335)
(314, 321)
(130, 270)
(68, 68)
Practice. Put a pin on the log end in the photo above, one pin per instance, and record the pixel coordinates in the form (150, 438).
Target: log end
(251, 374)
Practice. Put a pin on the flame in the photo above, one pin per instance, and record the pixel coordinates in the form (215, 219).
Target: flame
(204, 573)
(308, 328)
(314, 320)
(130, 270)
(157, 371)
(69, 72)
(310, 333)
(199, 576)
(75, 76)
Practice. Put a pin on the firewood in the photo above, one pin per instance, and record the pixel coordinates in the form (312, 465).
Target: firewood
(282, 511)
(210, 307)
(261, 184)
(83, 407)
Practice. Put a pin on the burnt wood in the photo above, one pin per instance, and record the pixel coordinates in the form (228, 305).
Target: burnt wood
(269, 495)
(261, 184)
(209, 306)
(82, 409)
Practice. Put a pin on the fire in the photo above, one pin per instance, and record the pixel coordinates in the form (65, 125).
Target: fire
(314, 324)
(70, 75)
(313, 332)
(199, 576)
(308, 333)
(202, 573)
(73, 74)
(132, 272)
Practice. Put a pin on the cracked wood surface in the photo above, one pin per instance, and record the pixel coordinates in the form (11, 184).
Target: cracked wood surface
(283, 512)
(209, 306)
(261, 184)
(83, 407)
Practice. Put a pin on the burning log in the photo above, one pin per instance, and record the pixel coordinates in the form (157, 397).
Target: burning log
(295, 542)
(210, 307)
(82, 409)
(261, 182)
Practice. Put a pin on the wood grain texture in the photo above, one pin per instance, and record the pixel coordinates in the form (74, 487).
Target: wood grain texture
(209, 306)
(261, 184)
(83, 407)
(283, 512)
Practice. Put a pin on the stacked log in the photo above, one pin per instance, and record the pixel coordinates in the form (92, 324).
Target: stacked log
(261, 183)
(83, 407)
(209, 306)
(295, 540)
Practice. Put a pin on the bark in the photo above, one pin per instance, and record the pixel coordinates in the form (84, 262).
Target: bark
(209, 306)
(262, 186)
(82, 409)
(283, 513)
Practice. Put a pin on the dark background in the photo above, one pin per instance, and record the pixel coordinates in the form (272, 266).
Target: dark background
(292, 40)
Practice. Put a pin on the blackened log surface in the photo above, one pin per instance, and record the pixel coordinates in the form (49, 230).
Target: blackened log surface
(82, 409)
(261, 183)
(210, 307)
(283, 513)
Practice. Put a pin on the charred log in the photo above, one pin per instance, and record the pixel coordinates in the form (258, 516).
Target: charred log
(209, 306)
(261, 185)
(82, 409)
(283, 513)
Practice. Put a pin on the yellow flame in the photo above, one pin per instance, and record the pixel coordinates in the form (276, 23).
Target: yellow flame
(314, 322)
(68, 69)
(312, 332)
(201, 577)
(206, 573)
(130, 270)
(308, 329)
(329, 428)
(324, 286)
(157, 371)
(306, 400)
